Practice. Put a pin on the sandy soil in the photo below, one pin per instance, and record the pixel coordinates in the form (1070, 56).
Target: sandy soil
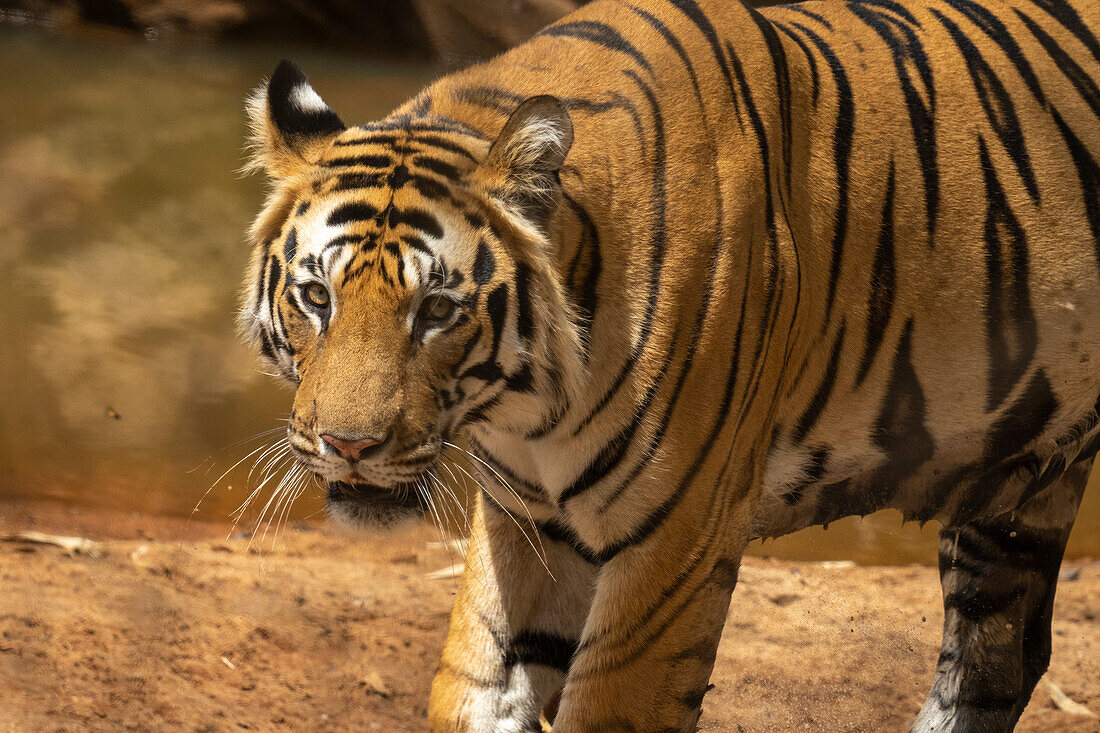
(173, 627)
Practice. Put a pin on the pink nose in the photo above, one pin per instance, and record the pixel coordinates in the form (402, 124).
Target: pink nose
(350, 449)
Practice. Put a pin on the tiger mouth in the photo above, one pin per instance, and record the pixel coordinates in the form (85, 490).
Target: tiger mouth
(406, 496)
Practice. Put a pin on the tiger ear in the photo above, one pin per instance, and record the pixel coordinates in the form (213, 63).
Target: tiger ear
(290, 124)
(521, 169)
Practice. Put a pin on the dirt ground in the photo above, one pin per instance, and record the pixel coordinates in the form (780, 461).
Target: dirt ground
(173, 627)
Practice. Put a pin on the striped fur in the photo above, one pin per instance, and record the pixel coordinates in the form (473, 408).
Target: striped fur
(710, 274)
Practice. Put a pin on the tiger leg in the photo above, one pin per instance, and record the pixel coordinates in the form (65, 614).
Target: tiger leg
(998, 576)
(513, 629)
(651, 637)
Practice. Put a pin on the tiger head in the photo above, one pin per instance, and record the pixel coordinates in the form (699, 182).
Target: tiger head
(401, 281)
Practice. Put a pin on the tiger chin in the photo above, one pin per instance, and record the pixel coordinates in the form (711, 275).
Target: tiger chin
(360, 506)
(680, 274)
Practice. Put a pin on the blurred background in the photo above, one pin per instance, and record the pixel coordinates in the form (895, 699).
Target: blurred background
(122, 216)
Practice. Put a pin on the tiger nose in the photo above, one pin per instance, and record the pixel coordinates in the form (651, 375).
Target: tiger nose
(351, 448)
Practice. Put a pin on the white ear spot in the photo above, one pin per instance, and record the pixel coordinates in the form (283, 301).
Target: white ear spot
(527, 155)
(306, 99)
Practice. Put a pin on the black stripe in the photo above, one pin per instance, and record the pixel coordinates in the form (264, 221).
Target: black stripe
(599, 33)
(290, 248)
(895, 8)
(773, 284)
(1011, 331)
(496, 305)
(560, 533)
(1024, 421)
(900, 430)
(525, 323)
(523, 380)
(1064, 13)
(656, 250)
(880, 301)
(622, 441)
(347, 213)
(842, 151)
(782, 73)
(430, 189)
(1088, 173)
(418, 219)
(997, 542)
(657, 517)
(345, 239)
(368, 140)
(975, 603)
(274, 275)
(586, 295)
(824, 390)
(355, 181)
(438, 167)
(815, 76)
(398, 177)
(921, 113)
(474, 219)
(613, 452)
(992, 26)
(540, 647)
(484, 264)
(792, 8)
(493, 98)
(674, 43)
(996, 103)
(367, 161)
(687, 359)
(467, 349)
(528, 489)
(696, 15)
(417, 243)
(1077, 76)
(267, 348)
(437, 142)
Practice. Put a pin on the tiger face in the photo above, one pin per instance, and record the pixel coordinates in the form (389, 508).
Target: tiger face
(398, 278)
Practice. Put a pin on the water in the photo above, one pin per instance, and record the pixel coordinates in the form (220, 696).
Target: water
(122, 219)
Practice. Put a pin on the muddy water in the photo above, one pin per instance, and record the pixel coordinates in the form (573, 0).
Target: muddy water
(122, 383)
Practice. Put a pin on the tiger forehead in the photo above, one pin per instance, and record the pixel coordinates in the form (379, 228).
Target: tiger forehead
(380, 193)
(360, 158)
(408, 182)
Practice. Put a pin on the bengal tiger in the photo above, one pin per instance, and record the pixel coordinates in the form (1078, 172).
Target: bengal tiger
(682, 274)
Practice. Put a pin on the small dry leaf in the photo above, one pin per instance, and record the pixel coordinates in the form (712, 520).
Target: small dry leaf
(374, 683)
(71, 545)
(1062, 701)
(446, 573)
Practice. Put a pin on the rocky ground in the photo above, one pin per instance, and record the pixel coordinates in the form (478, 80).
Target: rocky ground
(166, 625)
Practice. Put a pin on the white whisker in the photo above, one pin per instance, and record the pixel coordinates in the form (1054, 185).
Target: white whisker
(540, 551)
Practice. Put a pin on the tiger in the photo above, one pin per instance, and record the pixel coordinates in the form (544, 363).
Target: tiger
(680, 274)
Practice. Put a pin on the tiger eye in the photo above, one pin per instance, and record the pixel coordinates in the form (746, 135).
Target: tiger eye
(316, 295)
(437, 309)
